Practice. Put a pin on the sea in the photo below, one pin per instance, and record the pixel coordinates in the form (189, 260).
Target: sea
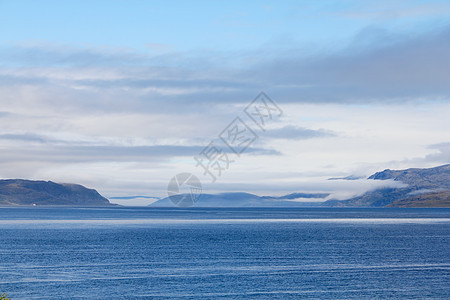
(225, 253)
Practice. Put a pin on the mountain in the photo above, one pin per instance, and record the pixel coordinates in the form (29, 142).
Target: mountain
(29, 192)
(297, 196)
(246, 200)
(434, 199)
(424, 188)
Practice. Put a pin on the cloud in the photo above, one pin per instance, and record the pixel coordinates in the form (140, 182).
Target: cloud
(45, 54)
(424, 191)
(298, 133)
(376, 10)
(443, 154)
(27, 137)
(104, 153)
(13, 80)
(4, 114)
(341, 190)
(378, 66)
(408, 69)
(440, 156)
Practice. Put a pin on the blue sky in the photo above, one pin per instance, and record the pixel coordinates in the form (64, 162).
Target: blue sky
(120, 95)
(210, 25)
(179, 26)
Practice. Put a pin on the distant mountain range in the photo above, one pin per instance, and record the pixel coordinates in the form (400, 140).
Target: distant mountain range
(28, 192)
(424, 188)
(249, 200)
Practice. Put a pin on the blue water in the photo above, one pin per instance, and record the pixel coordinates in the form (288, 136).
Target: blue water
(141, 253)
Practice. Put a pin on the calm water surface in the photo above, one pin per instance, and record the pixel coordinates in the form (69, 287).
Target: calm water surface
(141, 253)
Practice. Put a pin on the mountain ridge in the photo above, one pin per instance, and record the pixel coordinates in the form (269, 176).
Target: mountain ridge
(426, 187)
(242, 199)
(421, 184)
(422, 187)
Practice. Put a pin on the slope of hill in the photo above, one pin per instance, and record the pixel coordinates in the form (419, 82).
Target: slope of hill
(28, 192)
(425, 188)
(435, 199)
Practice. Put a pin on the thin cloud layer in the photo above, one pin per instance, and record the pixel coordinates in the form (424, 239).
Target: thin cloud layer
(377, 67)
(298, 133)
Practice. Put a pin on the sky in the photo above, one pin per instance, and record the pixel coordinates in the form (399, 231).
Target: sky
(121, 96)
